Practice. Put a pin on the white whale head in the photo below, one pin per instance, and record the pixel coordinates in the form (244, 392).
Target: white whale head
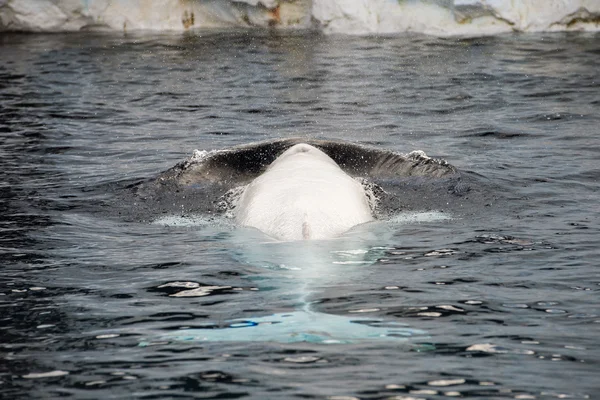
(303, 194)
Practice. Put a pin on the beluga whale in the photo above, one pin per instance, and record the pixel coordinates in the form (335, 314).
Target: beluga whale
(303, 194)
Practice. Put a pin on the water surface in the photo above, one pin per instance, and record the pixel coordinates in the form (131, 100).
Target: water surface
(506, 298)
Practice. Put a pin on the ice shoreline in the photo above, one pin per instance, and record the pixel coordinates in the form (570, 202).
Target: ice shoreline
(361, 17)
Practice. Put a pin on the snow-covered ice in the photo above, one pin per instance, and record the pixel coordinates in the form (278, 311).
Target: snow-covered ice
(435, 17)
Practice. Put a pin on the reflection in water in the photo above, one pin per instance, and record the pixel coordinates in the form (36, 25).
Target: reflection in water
(299, 326)
(294, 272)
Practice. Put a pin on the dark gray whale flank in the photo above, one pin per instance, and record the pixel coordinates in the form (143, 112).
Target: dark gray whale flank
(243, 163)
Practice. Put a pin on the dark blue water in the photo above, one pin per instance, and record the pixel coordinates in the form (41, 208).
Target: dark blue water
(504, 301)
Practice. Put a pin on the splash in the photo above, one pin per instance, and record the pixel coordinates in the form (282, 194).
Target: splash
(419, 217)
(180, 220)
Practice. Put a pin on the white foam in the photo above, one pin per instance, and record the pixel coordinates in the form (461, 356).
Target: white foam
(417, 217)
(175, 220)
(436, 17)
(400, 218)
(199, 155)
(367, 262)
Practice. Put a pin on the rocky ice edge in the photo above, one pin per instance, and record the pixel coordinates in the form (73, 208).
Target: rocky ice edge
(458, 17)
(435, 17)
(163, 15)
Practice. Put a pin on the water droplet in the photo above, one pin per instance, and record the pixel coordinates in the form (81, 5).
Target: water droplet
(404, 398)
(424, 391)
(446, 382)
(185, 285)
(302, 359)
(342, 398)
(108, 336)
(51, 374)
(452, 394)
(441, 252)
(364, 310)
(450, 308)
(486, 348)
(94, 383)
(199, 292)
(429, 314)
(515, 305)
(394, 386)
